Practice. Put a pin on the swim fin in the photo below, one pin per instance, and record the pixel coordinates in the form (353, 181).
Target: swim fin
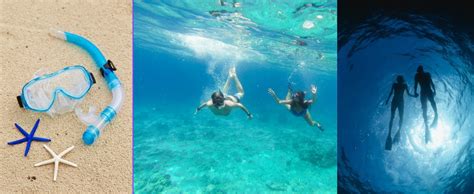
(396, 138)
(388, 143)
(427, 136)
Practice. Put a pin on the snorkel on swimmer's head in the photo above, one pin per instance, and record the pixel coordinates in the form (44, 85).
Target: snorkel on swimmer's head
(218, 99)
(95, 123)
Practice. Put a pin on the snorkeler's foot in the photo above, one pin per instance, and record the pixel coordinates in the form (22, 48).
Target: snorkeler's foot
(232, 72)
(427, 136)
(320, 126)
(388, 143)
(396, 138)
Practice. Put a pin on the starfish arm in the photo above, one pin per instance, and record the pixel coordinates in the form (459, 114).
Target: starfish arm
(42, 139)
(44, 162)
(67, 162)
(33, 131)
(22, 131)
(49, 150)
(56, 166)
(17, 141)
(66, 151)
(28, 145)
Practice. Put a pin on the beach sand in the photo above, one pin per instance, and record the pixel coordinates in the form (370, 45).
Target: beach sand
(27, 47)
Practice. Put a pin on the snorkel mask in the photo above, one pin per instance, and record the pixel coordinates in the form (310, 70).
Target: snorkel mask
(58, 92)
(218, 99)
(298, 96)
(95, 122)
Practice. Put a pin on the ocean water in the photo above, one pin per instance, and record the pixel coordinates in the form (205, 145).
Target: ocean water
(371, 53)
(182, 52)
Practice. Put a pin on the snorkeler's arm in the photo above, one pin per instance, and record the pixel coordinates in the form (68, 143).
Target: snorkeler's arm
(416, 86)
(284, 102)
(389, 95)
(274, 96)
(241, 106)
(205, 104)
(408, 91)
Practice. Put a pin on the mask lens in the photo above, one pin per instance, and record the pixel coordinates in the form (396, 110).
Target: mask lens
(72, 82)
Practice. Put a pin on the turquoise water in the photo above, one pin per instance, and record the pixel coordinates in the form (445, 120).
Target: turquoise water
(182, 54)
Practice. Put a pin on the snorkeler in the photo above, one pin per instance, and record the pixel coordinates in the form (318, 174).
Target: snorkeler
(398, 90)
(427, 92)
(297, 105)
(221, 103)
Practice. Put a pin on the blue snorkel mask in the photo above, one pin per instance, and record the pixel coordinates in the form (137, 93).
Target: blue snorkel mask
(95, 123)
(58, 92)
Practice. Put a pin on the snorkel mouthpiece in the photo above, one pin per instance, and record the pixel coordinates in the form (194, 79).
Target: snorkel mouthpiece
(90, 135)
(97, 123)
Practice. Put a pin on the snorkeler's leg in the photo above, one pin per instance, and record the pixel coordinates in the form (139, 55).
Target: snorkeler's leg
(396, 138)
(425, 117)
(388, 141)
(226, 85)
(312, 122)
(238, 85)
(435, 109)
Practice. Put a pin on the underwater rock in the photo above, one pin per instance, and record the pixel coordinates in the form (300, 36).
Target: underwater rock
(275, 186)
(323, 159)
(158, 182)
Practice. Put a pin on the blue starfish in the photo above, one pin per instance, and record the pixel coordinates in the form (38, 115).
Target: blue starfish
(28, 137)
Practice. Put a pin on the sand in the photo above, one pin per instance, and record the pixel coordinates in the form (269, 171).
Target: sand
(26, 47)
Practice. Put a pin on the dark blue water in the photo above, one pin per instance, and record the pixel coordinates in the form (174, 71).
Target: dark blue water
(182, 54)
(372, 51)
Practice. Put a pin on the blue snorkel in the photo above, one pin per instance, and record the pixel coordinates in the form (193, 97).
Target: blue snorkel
(107, 68)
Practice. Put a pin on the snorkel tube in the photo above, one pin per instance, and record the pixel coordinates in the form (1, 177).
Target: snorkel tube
(97, 123)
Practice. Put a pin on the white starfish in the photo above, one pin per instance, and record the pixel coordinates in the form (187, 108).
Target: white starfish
(56, 159)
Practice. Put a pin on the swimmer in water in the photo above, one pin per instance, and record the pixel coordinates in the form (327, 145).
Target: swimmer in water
(221, 103)
(296, 104)
(398, 90)
(427, 92)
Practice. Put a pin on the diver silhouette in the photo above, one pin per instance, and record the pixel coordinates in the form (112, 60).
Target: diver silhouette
(398, 90)
(427, 92)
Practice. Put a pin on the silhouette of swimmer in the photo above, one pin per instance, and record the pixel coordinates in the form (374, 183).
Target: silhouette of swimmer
(296, 104)
(398, 90)
(427, 92)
